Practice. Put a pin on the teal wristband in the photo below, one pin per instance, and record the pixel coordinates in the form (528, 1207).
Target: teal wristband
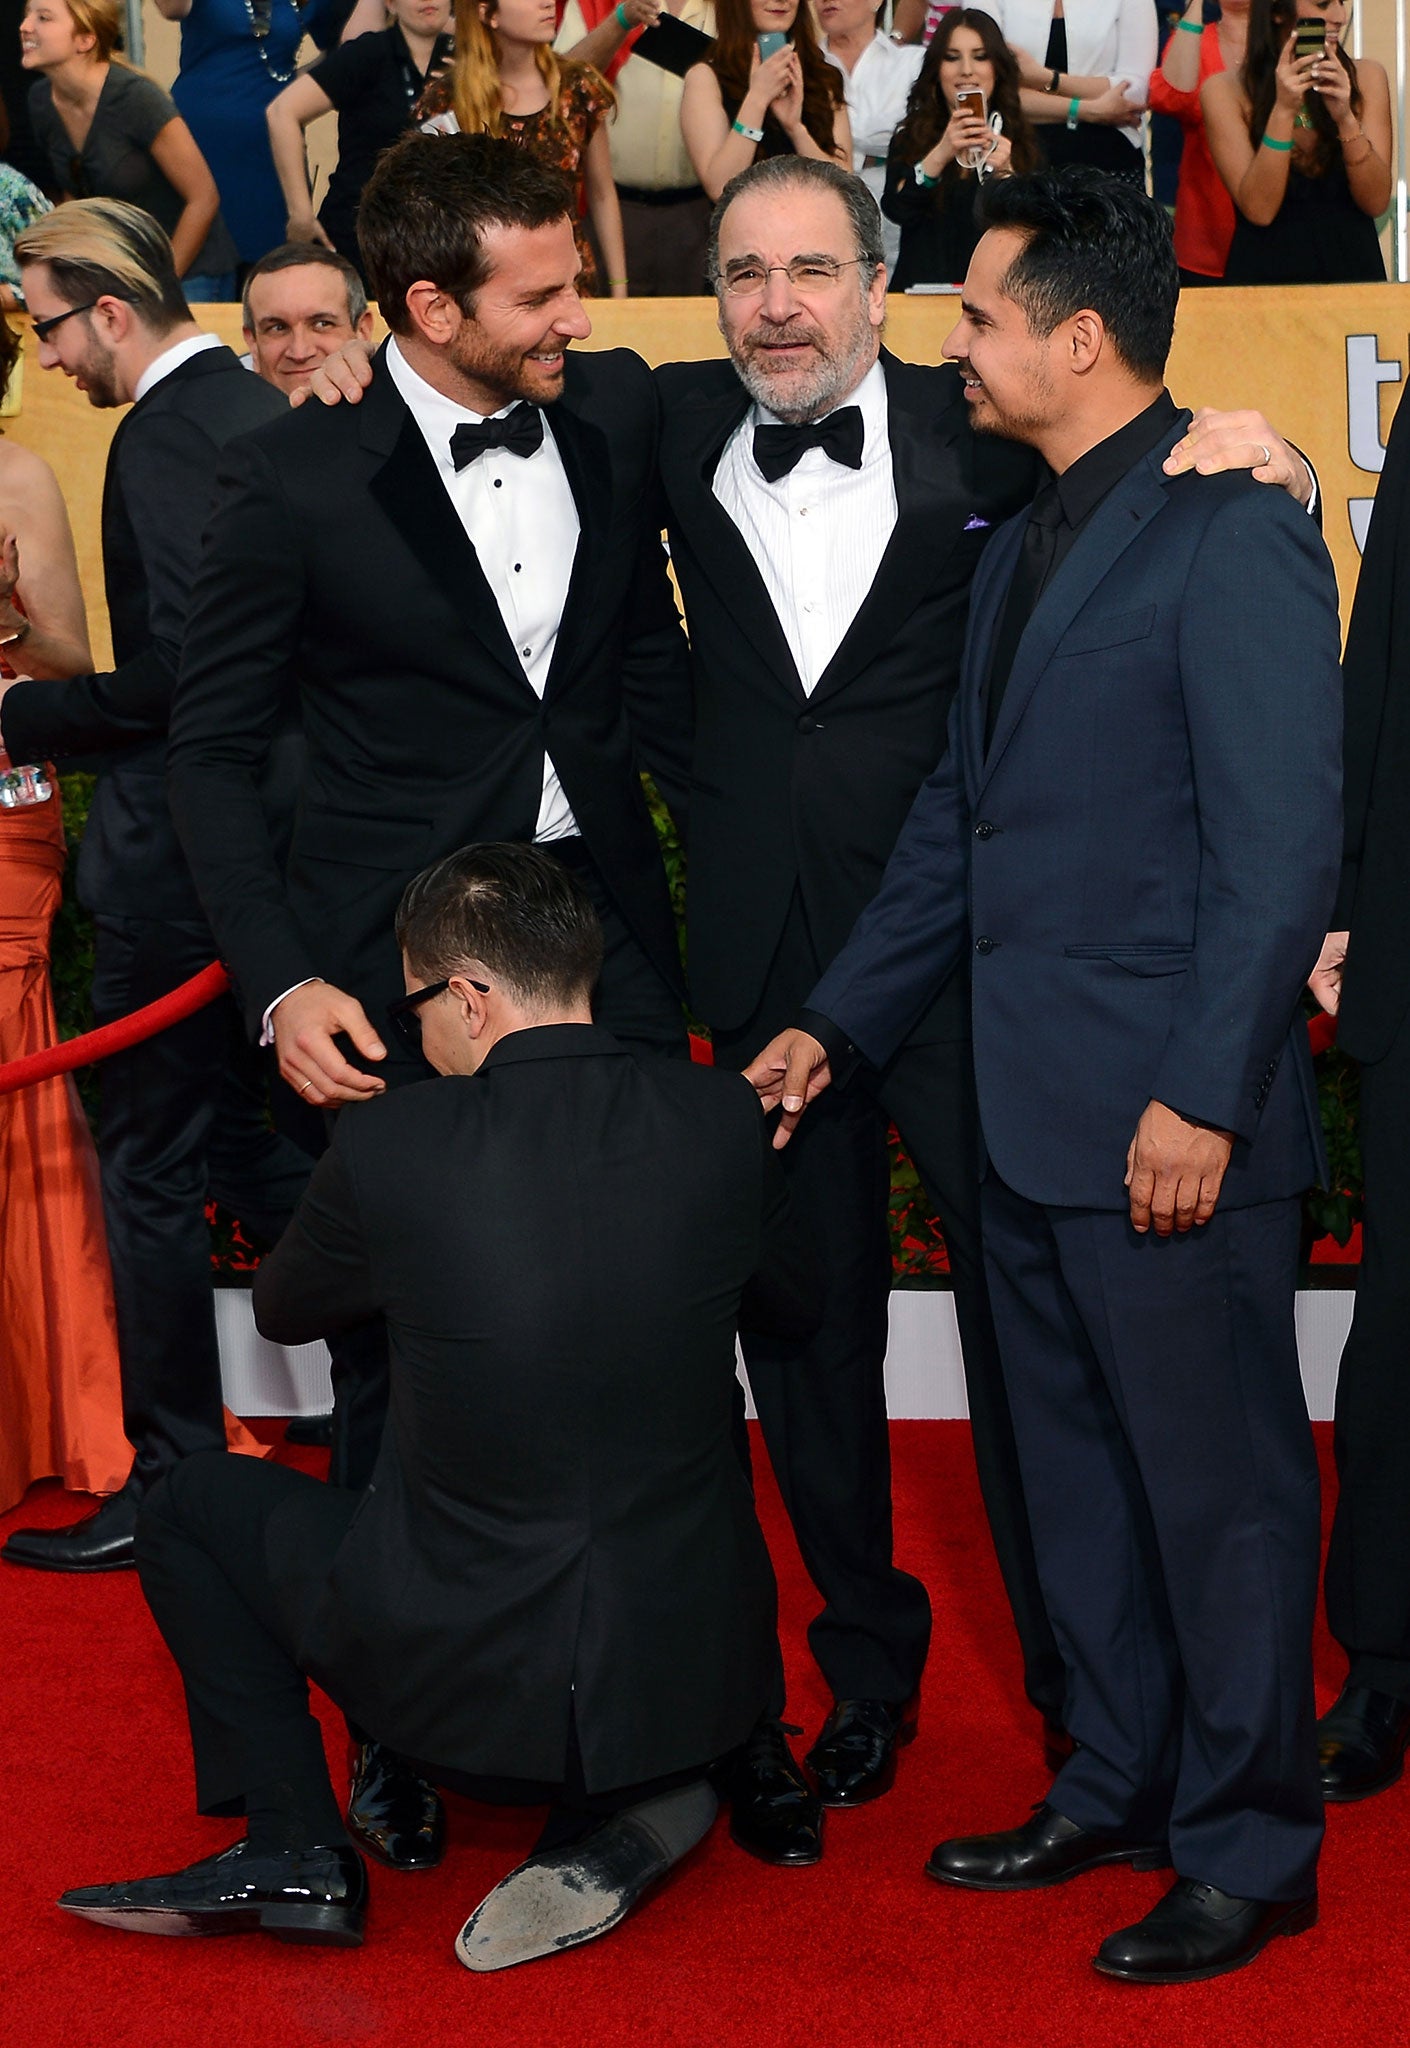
(1269, 143)
(750, 134)
(1072, 107)
(1191, 28)
(621, 13)
(921, 178)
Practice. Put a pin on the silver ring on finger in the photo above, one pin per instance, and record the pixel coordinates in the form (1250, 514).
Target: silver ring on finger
(1267, 455)
(304, 1087)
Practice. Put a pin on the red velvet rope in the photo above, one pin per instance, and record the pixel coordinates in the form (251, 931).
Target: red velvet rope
(169, 1009)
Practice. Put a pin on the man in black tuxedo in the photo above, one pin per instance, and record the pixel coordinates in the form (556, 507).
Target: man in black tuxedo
(1131, 836)
(185, 1114)
(828, 507)
(1364, 979)
(556, 1587)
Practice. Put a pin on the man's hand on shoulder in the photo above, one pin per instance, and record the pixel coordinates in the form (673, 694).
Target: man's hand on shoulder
(345, 374)
(1174, 1171)
(791, 1070)
(305, 1023)
(1240, 440)
(1325, 978)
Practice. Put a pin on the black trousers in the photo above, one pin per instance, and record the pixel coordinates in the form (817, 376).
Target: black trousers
(182, 1117)
(1368, 1562)
(1172, 1484)
(234, 1555)
(822, 1402)
(632, 1000)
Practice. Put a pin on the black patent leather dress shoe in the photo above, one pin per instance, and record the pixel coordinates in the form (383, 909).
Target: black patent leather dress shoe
(104, 1541)
(1198, 1931)
(854, 1757)
(774, 1812)
(396, 1816)
(316, 1895)
(1047, 1849)
(1361, 1743)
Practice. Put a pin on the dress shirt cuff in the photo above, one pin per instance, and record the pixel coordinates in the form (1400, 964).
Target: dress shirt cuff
(266, 1027)
(842, 1056)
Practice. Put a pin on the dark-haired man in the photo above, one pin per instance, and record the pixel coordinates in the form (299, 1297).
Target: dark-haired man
(1132, 835)
(556, 1589)
(301, 301)
(183, 1115)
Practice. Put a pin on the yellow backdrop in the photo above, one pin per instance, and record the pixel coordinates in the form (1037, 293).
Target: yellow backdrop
(1326, 364)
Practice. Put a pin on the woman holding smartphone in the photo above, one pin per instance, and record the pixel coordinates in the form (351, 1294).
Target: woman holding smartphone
(1301, 137)
(945, 147)
(766, 90)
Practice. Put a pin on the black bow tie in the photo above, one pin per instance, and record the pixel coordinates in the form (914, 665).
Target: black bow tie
(520, 431)
(840, 435)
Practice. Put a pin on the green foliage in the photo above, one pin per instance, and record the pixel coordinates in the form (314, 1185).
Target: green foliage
(71, 944)
(1334, 1211)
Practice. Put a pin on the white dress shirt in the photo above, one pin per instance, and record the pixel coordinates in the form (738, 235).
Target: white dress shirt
(877, 89)
(171, 359)
(1115, 39)
(819, 533)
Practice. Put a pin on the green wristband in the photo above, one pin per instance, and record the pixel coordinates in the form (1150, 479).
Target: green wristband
(621, 13)
(1269, 143)
(922, 179)
(1072, 108)
(1191, 28)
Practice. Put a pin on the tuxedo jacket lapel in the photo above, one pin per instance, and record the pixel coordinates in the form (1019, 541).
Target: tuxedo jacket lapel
(587, 461)
(1122, 515)
(717, 541)
(406, 485)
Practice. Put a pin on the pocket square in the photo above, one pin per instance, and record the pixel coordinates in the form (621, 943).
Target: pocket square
(974, 524)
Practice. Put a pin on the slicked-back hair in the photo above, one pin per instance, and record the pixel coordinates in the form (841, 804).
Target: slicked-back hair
(782, 173)
(1091, 240)
(299, 256)
(98, 248)
(513, 909)
(425, 209)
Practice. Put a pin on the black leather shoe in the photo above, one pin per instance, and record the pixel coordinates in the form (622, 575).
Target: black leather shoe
(310, 1431)
(102, 1542)
(1047, 1849)
(396, 1816)
(774, 1812)
(854, 1757)
(1198, 1931)
(310, 1895)
(1361, 1743)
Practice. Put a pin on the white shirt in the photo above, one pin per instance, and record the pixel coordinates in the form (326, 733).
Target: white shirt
(819, 533)
(1114, 39)
(521, 518)
(171, 359)
(877, 89)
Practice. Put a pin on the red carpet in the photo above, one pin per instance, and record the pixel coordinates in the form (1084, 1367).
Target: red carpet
(861, 1952)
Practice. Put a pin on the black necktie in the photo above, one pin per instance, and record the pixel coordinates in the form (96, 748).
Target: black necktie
(840, 435)
(1035, 562)
(520, 431)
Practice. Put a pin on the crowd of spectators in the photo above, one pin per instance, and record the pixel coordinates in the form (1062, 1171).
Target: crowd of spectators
(651, 106)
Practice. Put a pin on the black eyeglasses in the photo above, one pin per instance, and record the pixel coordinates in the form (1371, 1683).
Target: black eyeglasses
(44, 328)
(404, 1014)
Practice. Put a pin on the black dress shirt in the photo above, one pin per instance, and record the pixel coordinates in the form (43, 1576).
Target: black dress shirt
(374, 84)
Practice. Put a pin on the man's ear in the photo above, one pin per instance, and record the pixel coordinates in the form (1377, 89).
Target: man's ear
(365, 325)
(1086, 340)
(433, 313)
(471, 1002)
(113, 318)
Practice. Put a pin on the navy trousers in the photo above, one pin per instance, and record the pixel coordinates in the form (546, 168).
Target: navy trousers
(1172, 1489)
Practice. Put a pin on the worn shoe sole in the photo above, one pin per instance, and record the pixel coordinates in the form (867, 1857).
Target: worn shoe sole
(1297, 1921)
(1139, 1859)
(316, 1926)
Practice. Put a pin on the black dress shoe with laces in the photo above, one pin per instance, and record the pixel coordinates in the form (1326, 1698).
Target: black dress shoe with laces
(1047, 1849)
(316, 1895)
(1361, 1743)
(102, 1542)
(394, 1814)
(774, 1812)
(1198, 1931)
(854, 1757)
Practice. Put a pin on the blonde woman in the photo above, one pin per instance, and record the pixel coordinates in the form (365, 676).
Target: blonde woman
(506, 80)
(110, 132)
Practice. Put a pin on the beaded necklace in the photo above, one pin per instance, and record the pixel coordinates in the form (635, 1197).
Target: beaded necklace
(261, 14)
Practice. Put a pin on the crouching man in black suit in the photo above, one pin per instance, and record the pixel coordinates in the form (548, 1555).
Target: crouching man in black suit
(555, 1587)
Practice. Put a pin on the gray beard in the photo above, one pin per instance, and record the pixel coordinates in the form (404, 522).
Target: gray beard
(833, 380)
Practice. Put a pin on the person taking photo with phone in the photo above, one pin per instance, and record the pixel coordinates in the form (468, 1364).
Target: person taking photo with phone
(1302, 138)
(766, 90)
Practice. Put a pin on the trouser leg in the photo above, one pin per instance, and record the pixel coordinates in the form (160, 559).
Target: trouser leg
(255, 1171)
(1368, 1560)
(928, 1091)
(232, 1554)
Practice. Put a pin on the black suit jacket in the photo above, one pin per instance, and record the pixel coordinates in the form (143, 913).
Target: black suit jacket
(156, 500)
(335, 558)
(1371, 901)
(791, 790)
(558, 1521)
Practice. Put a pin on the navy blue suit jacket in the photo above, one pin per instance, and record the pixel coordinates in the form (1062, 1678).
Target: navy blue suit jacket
(1144, 862)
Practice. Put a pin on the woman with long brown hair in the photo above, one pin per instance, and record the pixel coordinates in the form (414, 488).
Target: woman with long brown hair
(60, 1400)
(740, 105)
(941, 153)
(506, 79)
(1303, 143)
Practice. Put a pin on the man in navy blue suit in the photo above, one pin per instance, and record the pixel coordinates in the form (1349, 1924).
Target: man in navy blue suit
(1131, 833)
